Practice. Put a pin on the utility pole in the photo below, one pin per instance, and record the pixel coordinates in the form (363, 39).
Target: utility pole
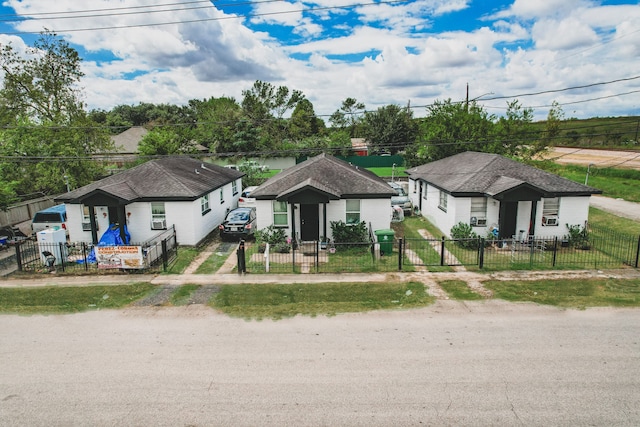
(466, 103)
(586, 179)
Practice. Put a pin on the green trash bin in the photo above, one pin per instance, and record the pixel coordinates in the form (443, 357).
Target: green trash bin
(385, 239)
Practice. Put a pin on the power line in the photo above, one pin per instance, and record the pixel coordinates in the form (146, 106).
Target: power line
(563, 89)
(18, 16)
(220, 18)
(568, 103)
(102, 15)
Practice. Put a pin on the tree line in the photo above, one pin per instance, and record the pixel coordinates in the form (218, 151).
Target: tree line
(48, 137)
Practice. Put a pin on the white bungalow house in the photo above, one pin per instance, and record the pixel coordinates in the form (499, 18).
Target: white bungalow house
(179, 191)
(305, 199)
(491, 192)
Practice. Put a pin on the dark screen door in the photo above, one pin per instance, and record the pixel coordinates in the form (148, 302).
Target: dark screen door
(309, 222)
(508, 214)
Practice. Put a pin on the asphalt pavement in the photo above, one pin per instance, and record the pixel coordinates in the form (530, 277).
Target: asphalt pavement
(619, 207)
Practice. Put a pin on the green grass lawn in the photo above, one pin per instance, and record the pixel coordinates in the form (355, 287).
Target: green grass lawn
(614, 182)
(53, 300)
(388, 172)
(458, 289)
(273, 301)
(186, 255)
(212, 264)
(183, 294)
(613, 222)
(570, 293)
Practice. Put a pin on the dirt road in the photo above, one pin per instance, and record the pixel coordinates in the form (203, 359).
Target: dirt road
(487, 363)
(599, 158)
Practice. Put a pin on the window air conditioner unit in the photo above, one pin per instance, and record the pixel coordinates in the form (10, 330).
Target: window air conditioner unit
(477, 222)
(86, 226)
(549, 220)
(159, 224)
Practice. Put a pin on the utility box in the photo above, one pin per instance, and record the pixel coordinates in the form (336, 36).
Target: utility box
(52, 243)
(385, 239)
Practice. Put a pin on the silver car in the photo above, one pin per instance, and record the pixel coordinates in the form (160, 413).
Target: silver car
(401, 198)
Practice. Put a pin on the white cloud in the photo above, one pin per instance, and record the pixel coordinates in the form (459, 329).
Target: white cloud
(378, 54)
(531, 9)
(566, 34)
(278, 13)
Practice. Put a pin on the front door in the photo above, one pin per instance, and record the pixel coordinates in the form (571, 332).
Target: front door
(309, 222)
(113, 215)
(508, 216)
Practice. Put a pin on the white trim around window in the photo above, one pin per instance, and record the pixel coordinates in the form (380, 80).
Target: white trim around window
(280, 214)
(442, 204)
(204, 204)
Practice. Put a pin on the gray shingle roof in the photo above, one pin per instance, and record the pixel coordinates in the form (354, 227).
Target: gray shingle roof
(490, 174)
(169, 178)
(329, 175)
(127, 141)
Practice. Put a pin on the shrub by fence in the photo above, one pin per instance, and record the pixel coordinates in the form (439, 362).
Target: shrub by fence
(599, 248)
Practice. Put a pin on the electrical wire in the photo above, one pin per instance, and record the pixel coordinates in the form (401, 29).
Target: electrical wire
(219, 18)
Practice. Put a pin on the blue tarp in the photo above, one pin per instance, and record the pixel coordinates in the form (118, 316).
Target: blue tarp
(111, 237)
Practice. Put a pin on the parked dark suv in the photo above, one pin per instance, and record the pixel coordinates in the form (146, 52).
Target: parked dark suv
(240, 223)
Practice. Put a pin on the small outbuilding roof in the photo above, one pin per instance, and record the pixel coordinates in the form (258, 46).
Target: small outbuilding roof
(473, 173)
(170, 178)
(328, 175)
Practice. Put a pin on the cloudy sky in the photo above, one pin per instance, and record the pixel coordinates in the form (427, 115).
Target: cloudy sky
(379, 52)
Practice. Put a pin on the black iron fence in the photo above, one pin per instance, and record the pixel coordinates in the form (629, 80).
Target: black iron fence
(155, 254)
(598, 249)
(317, 257)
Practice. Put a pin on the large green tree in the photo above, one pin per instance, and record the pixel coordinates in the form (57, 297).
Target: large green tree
(348, 117)
(265, 105)
(304, 123)
(450, 128)
(217, 123)
(163, 141)
(47, 134)
(514, 133)
(389, 129)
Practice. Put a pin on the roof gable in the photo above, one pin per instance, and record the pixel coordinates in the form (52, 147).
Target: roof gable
(327, 175)
(169, 178)
(483, 173)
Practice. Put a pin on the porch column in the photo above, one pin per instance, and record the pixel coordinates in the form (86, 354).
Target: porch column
(293, 222)
(324, 220)
(534, 211)
(122, 222)
(94, 225)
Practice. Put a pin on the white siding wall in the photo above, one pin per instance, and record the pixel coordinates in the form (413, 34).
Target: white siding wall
(573, 211)
(374, 211)
(377, 212)
(523, 219)
(191, 225)
(443, 220)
